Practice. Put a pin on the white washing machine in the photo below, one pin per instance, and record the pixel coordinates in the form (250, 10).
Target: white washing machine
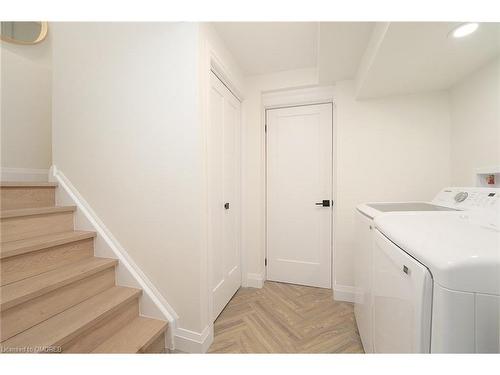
(363, 257)
(443, 202)
(436, 276)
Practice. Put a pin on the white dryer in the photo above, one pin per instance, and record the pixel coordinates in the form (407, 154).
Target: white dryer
(363, 258)
(436, 276)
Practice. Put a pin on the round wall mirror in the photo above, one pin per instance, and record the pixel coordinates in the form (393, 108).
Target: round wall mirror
(23, 32)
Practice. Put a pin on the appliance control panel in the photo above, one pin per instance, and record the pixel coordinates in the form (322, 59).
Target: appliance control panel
(469, 198)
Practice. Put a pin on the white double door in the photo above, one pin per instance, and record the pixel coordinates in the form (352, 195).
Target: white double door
(299, 194)
(224, 194)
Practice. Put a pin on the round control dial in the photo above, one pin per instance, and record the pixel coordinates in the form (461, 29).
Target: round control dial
(460, 197)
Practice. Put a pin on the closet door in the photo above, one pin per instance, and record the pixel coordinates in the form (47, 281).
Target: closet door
(224, 194)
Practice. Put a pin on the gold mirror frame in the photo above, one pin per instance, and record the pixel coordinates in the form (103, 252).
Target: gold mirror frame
(44, 28)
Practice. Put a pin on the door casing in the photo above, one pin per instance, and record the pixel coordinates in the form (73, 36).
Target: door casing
(294, 98)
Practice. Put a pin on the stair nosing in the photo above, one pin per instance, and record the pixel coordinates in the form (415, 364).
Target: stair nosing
(77, 236)
(34, 184)
(101, 265)
(21, 212)
(156, 335)
(74, 332)
(149, 341)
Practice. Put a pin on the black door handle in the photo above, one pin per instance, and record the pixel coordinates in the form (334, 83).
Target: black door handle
(325, 203)
(226, 206)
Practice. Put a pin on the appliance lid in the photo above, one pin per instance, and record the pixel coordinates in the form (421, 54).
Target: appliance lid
(408, 206)
(376, 208)
(461, 249)
(448, 199)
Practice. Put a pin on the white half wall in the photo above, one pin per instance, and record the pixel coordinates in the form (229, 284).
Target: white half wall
(24, 174)
(390, 149)
(25, 107)
(475, 117)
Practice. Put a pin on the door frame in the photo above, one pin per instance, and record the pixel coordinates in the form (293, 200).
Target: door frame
(298, 98)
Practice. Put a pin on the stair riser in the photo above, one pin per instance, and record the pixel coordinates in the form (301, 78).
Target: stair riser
(34, 311)
(92, 337)
(157, 346)
(27, 197)
(17, 228)
(34, 263)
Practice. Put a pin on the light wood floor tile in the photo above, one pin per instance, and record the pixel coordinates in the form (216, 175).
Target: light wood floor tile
(286, 318)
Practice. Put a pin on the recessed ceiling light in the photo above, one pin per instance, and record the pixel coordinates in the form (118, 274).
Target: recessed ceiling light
(464, 29)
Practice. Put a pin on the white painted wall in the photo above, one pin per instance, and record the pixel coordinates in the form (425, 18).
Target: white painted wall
(126, 133)
(388, 149)
(475, 116)
(25, 105)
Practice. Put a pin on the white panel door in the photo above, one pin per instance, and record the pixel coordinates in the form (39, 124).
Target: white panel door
(299, 178)
(224, 196)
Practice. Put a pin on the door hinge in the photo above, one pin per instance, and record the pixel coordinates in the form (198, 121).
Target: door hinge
(265, 128)
(265, 262)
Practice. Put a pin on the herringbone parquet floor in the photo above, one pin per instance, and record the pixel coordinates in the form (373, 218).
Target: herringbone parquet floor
(286, 318)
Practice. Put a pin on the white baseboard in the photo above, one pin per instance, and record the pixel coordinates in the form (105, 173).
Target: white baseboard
(152, 303)
(193, 342)
(254, 280)
(24, 174)
(344, 293)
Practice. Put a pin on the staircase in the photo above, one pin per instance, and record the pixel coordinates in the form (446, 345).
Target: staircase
(55, 296)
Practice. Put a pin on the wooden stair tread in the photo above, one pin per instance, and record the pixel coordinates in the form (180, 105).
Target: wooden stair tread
(5, 214)
(18, 247)
(67, 325)
(134, 337)
(32, 287)
(37, 184)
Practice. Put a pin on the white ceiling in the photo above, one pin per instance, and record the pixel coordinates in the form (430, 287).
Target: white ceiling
(420, 56)
(269, 47)
(341, 47)
(384, 58)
